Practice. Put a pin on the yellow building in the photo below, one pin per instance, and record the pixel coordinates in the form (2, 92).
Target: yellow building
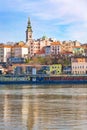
(56, 69)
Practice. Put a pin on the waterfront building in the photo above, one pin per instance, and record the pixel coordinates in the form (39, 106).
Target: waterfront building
(56, 69)
(44, 69)
(28, 69)
(67, 69)
(79, 65)
(18, 70)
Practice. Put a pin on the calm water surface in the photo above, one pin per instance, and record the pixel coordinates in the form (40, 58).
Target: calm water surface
(53, 107)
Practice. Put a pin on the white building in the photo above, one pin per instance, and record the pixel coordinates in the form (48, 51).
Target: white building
(20, 51)
(5, 52)
(79, 65)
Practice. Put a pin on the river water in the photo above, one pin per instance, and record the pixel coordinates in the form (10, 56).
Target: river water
(43, 107)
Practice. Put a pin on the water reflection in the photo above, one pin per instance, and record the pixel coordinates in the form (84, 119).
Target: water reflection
(43, 107)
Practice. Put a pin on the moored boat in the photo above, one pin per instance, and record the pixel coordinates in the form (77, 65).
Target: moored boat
(43, 79)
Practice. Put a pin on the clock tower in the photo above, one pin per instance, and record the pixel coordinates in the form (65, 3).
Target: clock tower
(29, 32)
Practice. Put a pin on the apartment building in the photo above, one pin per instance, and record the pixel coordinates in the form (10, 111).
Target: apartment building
(55, 48)
(79, 65)
(67, 46)
(5, 52)
(20, 51)
(56, 69)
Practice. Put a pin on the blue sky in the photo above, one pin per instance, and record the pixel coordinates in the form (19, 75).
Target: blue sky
(59, 19)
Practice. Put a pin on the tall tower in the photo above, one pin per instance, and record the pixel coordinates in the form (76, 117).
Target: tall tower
(29, 32)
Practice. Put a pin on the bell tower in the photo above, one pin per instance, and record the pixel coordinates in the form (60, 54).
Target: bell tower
(29, 32)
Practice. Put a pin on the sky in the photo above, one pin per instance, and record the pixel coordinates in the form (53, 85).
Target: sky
(58, 19)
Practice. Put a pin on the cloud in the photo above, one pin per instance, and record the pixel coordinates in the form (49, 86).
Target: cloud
(58, 13)
(49, 9)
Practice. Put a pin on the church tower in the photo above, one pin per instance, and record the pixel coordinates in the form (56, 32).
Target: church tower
(29, 32)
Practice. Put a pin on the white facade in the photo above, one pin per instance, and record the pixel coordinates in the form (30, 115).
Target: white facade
(5, 53)
(24, 52)
(20, 51)
(79, 66)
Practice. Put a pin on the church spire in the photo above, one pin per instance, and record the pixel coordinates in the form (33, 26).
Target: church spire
(29, 28)
(29, 31)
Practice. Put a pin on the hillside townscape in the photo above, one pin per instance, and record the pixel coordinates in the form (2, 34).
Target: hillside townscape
(47, 55)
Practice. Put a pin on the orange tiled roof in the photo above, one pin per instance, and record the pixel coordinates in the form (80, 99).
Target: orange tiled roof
(56, 43)
(24, 46)
(5, 46)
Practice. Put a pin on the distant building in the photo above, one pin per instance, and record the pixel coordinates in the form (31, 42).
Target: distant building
(67, 46)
